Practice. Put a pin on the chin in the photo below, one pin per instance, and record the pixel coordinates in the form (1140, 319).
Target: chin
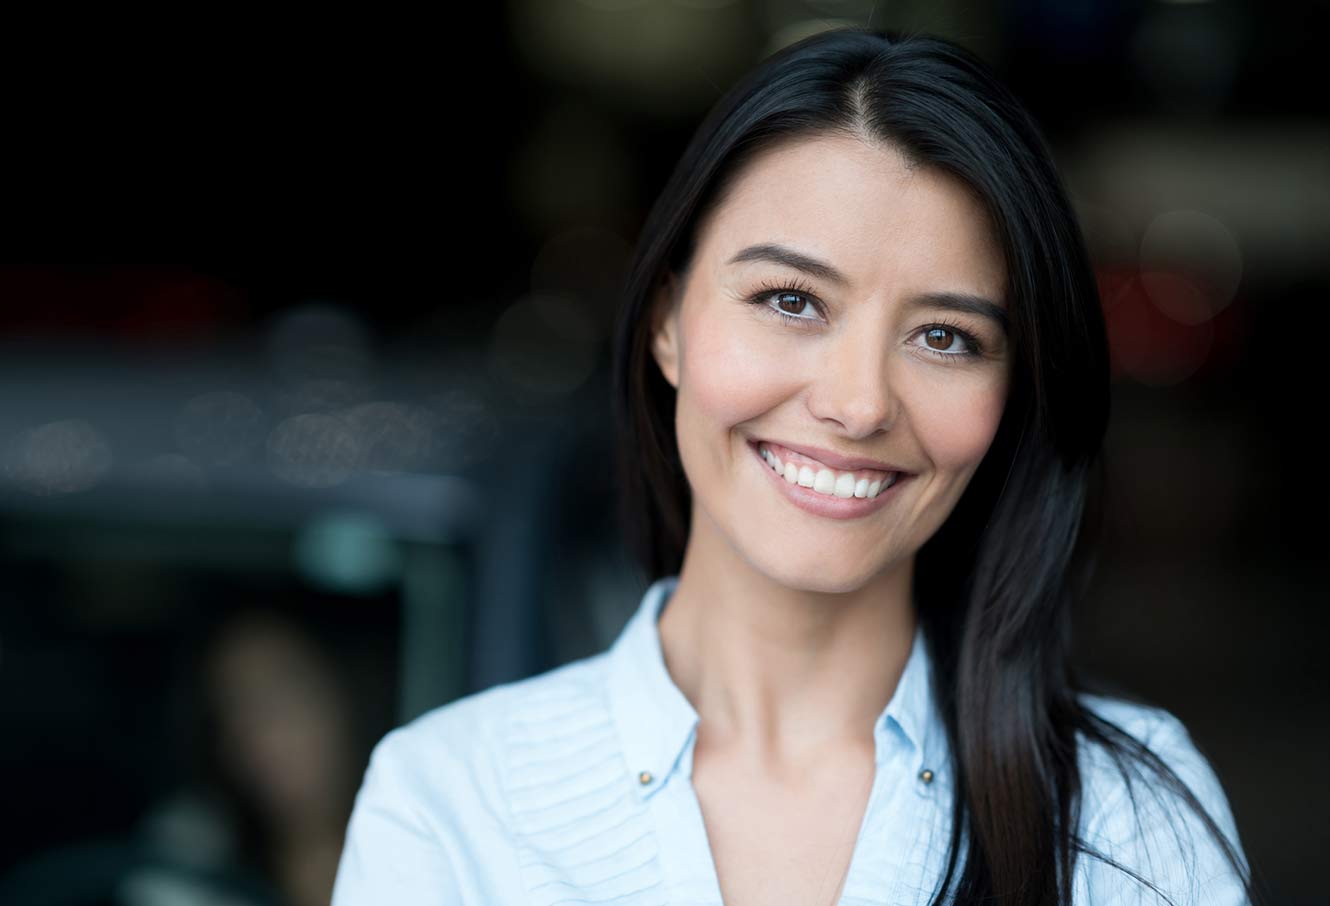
(818, 576)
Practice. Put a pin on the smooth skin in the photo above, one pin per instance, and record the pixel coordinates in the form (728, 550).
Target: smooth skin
(788, 632)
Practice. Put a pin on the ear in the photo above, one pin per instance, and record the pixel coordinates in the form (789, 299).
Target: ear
(665, 328)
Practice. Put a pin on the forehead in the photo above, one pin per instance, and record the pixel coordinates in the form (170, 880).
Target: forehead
(860, 207)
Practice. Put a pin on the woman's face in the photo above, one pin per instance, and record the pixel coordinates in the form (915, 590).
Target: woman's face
(864, 367)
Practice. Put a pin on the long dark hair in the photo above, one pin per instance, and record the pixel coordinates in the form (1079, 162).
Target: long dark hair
(1019, 548)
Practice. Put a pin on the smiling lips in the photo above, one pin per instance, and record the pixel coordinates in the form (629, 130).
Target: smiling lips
(798, 469)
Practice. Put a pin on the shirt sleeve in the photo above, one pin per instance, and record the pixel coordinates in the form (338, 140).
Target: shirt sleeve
(1169, 845)
(391, 853)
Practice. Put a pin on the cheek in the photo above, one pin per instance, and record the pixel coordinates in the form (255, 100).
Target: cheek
(956, 420)
(731, 373)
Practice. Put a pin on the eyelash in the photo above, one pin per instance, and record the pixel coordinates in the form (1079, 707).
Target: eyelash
(975, 347)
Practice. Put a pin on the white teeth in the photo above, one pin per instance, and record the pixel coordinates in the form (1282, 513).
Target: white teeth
(828, 481)
(824, 482)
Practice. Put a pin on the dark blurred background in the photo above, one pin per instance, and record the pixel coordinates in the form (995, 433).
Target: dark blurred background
(304, 411)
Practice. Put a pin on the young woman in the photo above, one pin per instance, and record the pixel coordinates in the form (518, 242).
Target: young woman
(861, 390)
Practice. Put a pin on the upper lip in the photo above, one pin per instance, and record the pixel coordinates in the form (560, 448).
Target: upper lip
(836, 460)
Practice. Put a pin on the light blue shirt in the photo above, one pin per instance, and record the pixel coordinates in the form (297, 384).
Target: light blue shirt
(575, 787)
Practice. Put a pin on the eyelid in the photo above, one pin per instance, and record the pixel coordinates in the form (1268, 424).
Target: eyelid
(795, 287)
(978, 347)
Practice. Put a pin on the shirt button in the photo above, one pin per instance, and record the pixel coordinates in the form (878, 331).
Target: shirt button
(644, 778)
(926, 775)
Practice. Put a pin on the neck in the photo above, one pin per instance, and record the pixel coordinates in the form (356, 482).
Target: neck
(782, 676)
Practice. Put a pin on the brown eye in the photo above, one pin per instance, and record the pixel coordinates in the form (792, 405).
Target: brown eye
(937, 338)
(795, 301)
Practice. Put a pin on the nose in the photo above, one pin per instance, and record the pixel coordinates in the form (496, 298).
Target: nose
(852, 387)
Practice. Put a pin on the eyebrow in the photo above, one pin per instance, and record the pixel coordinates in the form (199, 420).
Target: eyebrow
(967, 303)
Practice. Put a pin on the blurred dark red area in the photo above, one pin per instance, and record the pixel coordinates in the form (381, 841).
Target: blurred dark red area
(122, 303)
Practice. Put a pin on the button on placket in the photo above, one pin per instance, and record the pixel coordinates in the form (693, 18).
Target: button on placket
(924, 787)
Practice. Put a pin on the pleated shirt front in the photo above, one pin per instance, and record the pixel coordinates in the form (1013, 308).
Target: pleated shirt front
(575, 787)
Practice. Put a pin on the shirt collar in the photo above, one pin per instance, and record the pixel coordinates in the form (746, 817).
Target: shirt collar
(656, 722)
